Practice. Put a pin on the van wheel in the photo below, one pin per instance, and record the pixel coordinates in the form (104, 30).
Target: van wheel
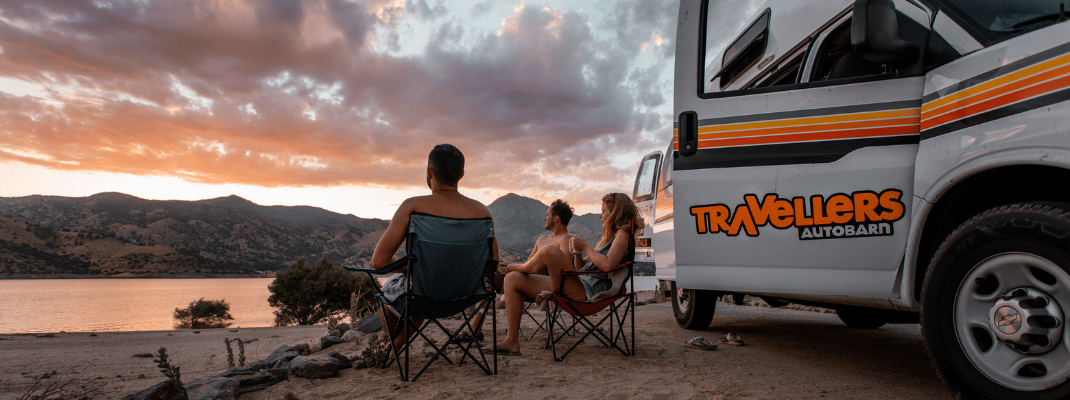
(994, 304)
(861, 317)
(693, 308)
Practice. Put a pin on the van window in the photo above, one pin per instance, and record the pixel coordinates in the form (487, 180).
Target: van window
(666, 171)
(644, 183)
(742, 54)
(993, 21)
(836, 58)
(787, 73)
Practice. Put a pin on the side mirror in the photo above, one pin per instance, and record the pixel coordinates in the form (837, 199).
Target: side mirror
(875, 34)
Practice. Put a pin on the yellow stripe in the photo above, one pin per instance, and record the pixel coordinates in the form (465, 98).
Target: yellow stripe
(1044, 66)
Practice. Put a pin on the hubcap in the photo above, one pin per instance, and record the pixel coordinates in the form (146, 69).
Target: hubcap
(1010, 323)
(1027, 319)
(681, 300)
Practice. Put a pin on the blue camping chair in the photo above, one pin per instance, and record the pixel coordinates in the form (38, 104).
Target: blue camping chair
(449, 270)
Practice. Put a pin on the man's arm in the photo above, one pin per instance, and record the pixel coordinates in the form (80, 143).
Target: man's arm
(393, 237)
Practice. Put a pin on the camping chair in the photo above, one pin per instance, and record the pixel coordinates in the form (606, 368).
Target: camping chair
(619, 299)
(541, 323)
(449, 265)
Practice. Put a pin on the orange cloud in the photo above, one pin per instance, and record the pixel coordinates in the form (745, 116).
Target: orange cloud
(283, 93)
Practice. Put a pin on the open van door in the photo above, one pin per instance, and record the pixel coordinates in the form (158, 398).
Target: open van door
(643, 195)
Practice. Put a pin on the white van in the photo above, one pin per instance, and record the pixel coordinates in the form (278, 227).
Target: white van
(888, 159)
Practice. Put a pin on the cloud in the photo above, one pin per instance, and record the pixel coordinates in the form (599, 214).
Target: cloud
(287, 93)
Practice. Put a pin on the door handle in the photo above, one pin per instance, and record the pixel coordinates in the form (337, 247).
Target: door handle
(688, 130)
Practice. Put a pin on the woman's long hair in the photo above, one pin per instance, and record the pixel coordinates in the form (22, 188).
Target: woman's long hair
(622, 215)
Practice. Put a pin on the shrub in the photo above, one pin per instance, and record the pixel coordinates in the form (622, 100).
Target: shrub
(305, 294)
(172, 372)
(363, 303)
(204, 314)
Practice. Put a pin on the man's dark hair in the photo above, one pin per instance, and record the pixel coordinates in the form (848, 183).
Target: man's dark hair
(562, 210)
(447, 164)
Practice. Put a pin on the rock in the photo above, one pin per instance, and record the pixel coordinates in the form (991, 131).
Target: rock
(284, 353)
(353, 336)
(320, 366)
(215, 388)
(343, 328)
(343, 360)
(334, 332)
(141, 376)
(251, 381)
(328, 341)
(166, 390)
(304, 349)
(369, 324)
(47, 335)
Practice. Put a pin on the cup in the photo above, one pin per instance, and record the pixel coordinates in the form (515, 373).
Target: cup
(573, 248)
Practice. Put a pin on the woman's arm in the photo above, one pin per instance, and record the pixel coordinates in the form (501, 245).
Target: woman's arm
(612, 259)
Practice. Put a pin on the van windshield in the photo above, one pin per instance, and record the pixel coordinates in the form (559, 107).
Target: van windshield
(996, 20)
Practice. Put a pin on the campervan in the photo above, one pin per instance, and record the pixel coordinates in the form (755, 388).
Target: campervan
(894, 160)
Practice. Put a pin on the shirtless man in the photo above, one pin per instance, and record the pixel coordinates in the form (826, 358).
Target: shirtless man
(445, 167)
(556, 221)
(557, 218)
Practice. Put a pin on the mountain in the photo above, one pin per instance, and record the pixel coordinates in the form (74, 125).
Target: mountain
(518, 222)
(114, 234)
(118, 235)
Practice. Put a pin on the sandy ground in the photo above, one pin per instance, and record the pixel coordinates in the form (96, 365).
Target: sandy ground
(789, 354)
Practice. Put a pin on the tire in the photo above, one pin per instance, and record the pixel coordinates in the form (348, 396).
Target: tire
(693, 308)
(994, 304)
(861, 317)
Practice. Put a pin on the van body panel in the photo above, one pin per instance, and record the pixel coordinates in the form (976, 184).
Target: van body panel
(995, 107)
(801, 149)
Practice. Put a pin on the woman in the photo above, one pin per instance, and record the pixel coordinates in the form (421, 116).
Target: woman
(542, 272)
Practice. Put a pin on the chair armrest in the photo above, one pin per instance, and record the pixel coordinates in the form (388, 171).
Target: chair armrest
(394, 266)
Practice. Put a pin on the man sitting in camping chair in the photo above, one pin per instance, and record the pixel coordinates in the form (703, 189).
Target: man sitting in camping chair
(447, 218)
(556, 221)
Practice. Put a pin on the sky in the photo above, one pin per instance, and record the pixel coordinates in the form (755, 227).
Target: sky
(331, 103)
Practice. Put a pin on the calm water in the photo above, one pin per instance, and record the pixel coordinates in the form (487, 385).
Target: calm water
(94, 305)
(97, 305)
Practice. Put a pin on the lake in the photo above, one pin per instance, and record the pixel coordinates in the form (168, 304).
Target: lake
(100, 305)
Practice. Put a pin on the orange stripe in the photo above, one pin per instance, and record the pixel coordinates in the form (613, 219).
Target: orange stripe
(807, 121)
(1036, 69)
(929, 112)
(814, 128)
(853, 134)
(997, 102)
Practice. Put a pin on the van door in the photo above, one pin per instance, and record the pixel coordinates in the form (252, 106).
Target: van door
(643, 196)
(795, 184)
(664, 242)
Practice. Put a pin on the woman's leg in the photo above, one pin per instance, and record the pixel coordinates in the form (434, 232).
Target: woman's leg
(517, 285)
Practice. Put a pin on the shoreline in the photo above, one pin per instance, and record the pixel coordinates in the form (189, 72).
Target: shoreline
(27, 277)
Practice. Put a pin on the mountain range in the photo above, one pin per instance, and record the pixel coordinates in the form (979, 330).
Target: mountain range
(118, 235)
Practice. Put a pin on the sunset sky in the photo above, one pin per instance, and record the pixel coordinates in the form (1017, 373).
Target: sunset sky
(331, 103)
